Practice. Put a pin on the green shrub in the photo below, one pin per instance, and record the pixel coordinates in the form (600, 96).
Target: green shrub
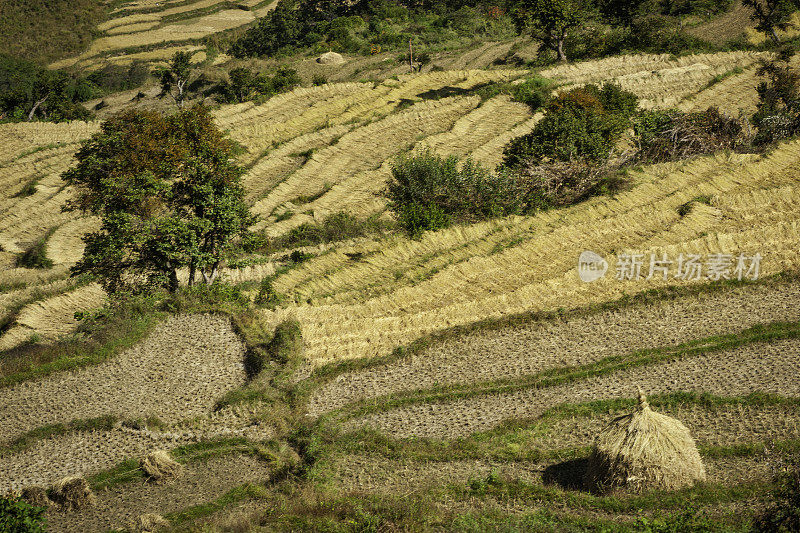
(35, 256)
(267, 295)
(534, 91)
(428, 192)
(583, 124)
(784, 512)
(319, 79)
(18, 516)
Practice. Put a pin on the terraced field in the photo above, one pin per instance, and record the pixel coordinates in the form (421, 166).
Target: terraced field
(135, 26)
(520, 362)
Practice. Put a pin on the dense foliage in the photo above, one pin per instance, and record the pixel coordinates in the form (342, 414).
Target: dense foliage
(18, 516)
(31, 92)
(427, 192)
(46, 30)
(169, 195)
(582, 124)
(367, 26)
(246, 85)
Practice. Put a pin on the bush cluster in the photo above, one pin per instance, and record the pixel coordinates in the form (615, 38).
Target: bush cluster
(428, 192)
(363, 26)
(246, 85)
(583, 124)
(18, 516)
(778, 113)
(28, 90)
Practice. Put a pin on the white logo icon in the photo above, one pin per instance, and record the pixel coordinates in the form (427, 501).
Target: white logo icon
(591, 267)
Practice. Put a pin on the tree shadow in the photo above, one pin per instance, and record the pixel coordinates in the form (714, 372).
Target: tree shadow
(568, 474)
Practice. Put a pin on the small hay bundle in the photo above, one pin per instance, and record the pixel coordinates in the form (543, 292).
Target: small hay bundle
(160, 466)
(330, 58)
(72, 493)
(642, 451)
(149, 523)
(36, 496)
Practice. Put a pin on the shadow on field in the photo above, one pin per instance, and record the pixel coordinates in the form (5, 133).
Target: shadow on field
(567, 475)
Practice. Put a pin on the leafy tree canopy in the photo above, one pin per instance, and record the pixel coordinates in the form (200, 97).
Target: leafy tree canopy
(169, 195)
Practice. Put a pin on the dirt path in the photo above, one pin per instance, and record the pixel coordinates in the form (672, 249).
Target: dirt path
(762, 367)
(531, 348)
(200, 483)
(177, 372)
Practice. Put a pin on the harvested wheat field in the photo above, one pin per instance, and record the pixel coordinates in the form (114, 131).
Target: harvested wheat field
(349, 372)
(178, 372)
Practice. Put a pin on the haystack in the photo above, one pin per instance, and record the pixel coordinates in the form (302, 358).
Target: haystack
(160, 466)
(72, 493)
(36, 496)
(149, 523)
(330, 58)
(642, 451)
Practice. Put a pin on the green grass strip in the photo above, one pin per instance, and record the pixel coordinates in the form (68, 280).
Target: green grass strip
(29, 438)
(78, 356)
(762, 333)
(329, 372)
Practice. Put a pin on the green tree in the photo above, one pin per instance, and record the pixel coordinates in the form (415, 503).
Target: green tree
(772, 15)
(174, 79)
(31, 92)
(169, 196)
(551, 21)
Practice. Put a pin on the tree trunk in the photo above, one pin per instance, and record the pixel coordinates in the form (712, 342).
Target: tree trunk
(562, 56)
(774, 36)
(36, 106)
(173, 281)
(212, 277)
(192, 272)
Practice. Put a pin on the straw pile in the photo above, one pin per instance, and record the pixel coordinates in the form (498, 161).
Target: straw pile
(330, 58)
(149, 523)
(160, 466)
(36, 496)
(72, 493)
(644, 450)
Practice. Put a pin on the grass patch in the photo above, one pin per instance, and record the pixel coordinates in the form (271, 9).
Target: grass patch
(334, 228)
(117, 331)
(29, 438)
(36, 255)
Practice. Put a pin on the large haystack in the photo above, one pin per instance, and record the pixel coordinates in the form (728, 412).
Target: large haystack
(72, 493)
(330, 58)
(642, 451)
(160, 466)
